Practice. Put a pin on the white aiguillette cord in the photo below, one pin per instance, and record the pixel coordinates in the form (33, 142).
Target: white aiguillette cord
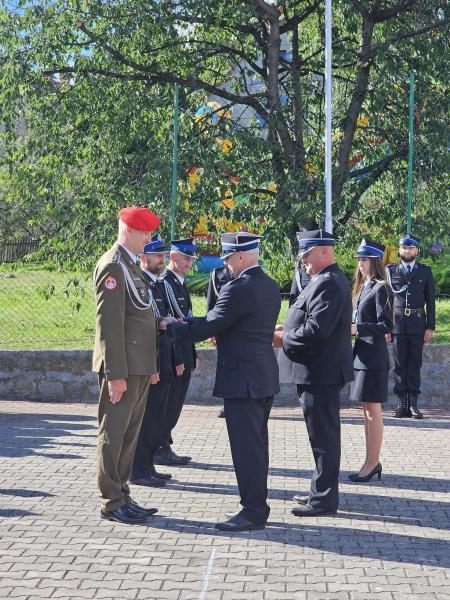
(134, 294)
(173, 301)
(389, 282)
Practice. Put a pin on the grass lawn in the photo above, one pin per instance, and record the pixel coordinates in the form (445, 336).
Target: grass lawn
(50, 310)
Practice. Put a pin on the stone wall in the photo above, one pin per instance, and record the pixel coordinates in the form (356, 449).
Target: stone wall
(65, 376)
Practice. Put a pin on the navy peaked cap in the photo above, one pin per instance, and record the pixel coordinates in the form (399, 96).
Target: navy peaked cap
(307, 240)
(240, 241)
(187, 247)
(370, 249)
(409, 240)
(155, 246)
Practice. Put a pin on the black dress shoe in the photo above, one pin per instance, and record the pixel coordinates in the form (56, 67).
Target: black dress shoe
(402, 410)
(415, 412)
(301, 499)
(124, 514)
(306, 510)
(168, 457)
(231, 515)
(148, 480)
(239, 523)
(165, 476)
(141, 509)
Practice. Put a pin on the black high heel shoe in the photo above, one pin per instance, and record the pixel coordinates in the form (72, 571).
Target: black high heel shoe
(356, 477)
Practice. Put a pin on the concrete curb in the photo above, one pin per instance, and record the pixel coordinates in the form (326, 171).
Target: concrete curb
(65, 376)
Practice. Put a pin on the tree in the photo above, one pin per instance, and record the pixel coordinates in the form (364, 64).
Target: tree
(265, 56)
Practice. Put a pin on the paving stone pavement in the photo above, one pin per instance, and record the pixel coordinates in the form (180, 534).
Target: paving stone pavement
(390, 539)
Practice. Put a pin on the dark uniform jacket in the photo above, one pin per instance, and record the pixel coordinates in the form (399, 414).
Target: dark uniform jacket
(317, 330)
(170, 354)
(374, 319)
(242, 321)
(218, 278)
(183, 300)
(300, 281)
(418, 293)
(126, 337)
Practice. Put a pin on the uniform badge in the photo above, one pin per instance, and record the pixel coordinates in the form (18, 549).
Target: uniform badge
(110, 283)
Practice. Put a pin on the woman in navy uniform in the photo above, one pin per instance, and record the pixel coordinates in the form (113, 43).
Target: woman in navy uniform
(372, 320)
(412, 288)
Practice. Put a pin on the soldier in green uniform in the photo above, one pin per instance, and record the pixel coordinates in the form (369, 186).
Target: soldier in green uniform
(125, 357)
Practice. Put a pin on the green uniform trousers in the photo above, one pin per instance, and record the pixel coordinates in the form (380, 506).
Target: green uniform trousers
(119, 426)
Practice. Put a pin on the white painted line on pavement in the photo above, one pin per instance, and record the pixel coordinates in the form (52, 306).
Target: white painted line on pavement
(207, 575)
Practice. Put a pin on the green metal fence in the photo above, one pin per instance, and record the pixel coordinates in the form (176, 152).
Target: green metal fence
(50, 309)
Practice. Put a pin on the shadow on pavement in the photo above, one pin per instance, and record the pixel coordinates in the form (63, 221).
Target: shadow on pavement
(344, 541)
(15, 512)
(30, 434)
(25, 493)
(442, 422)
(410, 423)
(389, 480)
(389, 509)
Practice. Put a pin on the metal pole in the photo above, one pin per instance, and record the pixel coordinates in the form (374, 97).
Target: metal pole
(174, 161)
(328, 92)
(411, 152)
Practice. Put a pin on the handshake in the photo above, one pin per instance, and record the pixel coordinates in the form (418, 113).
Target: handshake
(277, 341)
(168, 321)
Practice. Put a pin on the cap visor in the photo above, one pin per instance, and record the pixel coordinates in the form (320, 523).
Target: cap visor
(185, 254)
(303, 252)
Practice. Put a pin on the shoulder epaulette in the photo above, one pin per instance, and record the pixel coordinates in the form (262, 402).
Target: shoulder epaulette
(116, 257)
(326, 275)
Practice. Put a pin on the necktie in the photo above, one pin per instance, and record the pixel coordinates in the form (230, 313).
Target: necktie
(408, 269)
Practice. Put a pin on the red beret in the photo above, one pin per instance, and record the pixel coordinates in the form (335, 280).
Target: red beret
(140, 218)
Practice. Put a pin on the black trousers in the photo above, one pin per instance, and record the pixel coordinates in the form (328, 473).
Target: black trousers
(246, 420)
(155, 419)
(407, 352)
(178, 395)
(320, 404)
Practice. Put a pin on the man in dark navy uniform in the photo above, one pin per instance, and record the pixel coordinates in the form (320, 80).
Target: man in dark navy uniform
(242, 321)
(317, 335)
(170, 366)
(217, 279)
(412, 287)
(182, 256)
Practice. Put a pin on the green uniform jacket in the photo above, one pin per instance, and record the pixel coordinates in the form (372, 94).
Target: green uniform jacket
(126, 337)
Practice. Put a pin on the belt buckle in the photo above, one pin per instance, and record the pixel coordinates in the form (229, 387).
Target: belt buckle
(407, 312)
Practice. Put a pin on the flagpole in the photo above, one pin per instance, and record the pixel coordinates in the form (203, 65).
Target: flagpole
(328, 115)
(410, 153)
(174, 161)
